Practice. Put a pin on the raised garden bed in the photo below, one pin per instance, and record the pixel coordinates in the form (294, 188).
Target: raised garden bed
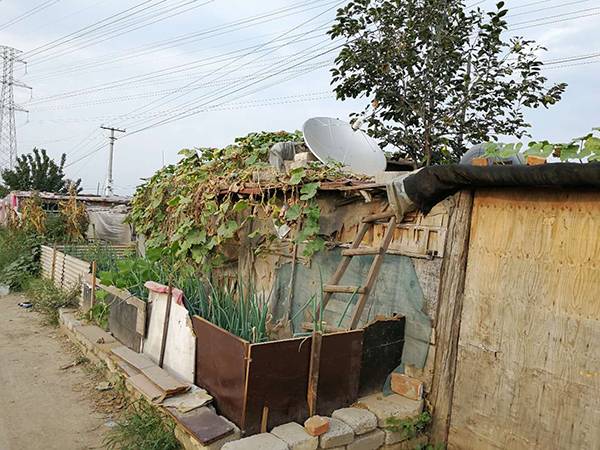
(263, 385)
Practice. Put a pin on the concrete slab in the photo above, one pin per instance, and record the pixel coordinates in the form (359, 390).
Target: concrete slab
(360, 420)
(263, 441)
(369, 441)
(295, 436)
(391, 406)
(339, 434)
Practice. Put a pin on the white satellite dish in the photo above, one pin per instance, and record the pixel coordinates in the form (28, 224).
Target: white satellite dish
(333, 140)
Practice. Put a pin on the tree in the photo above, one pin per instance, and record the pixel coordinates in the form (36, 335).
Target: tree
(36, 171)
(439, 76)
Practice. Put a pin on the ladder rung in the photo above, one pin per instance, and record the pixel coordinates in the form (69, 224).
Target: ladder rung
(361, 251)
(378, 216)
(343, 289)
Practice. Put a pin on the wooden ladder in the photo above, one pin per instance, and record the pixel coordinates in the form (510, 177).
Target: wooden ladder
(354, 250)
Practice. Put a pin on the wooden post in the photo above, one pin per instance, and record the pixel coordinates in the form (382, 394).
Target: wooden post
(313, 373)
(93, 299)
(450, 302)
(264, 419)
(53, 263)
(163, 343)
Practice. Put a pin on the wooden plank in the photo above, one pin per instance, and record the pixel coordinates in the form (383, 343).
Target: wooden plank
(373, 273)
(363, 251)
(447, 327)
(134, 359)
(527, 371)
(313, 372)
(331, 288)
(165, 381)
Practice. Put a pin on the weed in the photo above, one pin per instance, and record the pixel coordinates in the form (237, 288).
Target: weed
(409, 427)
(99, 313)
(143, 427)
(47, 298)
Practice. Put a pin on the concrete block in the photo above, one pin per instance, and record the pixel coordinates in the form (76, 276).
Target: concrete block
(393, 437)
(295, 436)
(360, 420)
(263, 441)
(316, 425)
(339, 434)
(369, 441)
(406, 386)
(391, 406)
(409, 444)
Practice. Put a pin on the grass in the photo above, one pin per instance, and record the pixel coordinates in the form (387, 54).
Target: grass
(47, 298)
(142, 427)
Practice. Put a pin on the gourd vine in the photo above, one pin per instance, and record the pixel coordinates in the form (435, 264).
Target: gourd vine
(195, 208)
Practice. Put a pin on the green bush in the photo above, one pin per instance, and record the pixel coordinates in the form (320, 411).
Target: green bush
(19, 257)
(143, 427)
(47, 298)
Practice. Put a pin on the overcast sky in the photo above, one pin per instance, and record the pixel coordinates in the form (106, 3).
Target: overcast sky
(223, 68)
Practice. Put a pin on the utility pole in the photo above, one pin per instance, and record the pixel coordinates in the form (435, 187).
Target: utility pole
(109, 177)
(8, 130)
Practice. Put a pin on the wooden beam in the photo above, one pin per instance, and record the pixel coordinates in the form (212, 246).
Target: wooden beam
(313, 373)
(450, 302)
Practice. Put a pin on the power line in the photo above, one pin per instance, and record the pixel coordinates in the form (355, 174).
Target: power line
(219, 30)
(28, 13)
(126, 28)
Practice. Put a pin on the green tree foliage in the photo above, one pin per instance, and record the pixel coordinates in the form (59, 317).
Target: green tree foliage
(439, 76)
(36, 171)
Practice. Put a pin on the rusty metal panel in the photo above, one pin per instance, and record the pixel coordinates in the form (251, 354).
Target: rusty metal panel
(221, 367)
(339, 370)
(277, 380)
(383, 341)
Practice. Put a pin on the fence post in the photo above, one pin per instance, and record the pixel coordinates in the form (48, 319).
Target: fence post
(53, 263)
(93, 297)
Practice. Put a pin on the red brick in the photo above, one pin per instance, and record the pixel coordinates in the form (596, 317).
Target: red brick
(406, 386)
(316, 425)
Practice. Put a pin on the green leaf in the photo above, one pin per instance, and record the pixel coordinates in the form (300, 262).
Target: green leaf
(240, 206)
(293, 212)
(227, 230)
(296, 175)
(309, 190)
(313, 246)
(187, 152)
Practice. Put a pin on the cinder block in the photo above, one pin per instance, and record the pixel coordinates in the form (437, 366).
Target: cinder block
(406, 386)
(369, 441)
(263, 441)
(339, 434)
(316, 425)
(295, 436)
(394, 405)
(410, 444)
(360, 420)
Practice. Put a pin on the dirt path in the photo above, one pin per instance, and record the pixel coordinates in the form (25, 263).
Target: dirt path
(42, 406)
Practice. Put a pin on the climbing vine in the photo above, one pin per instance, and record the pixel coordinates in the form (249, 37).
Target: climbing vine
(193, 209)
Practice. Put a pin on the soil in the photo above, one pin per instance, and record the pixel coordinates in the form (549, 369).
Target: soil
(48, 398)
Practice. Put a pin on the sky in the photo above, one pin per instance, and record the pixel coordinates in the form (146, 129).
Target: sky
(198, 73)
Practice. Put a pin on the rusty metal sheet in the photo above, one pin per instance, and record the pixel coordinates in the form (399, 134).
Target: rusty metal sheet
(278, 380)
(221, 367)
(383, 341)
(339, 370)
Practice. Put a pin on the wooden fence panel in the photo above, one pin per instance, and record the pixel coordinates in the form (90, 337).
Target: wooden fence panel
(528, 366)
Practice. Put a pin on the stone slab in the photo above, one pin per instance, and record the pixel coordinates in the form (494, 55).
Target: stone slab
(263, 441)
(339, 434)
(370, 441)
(360, 420)
(295, 436)
(391, 406)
